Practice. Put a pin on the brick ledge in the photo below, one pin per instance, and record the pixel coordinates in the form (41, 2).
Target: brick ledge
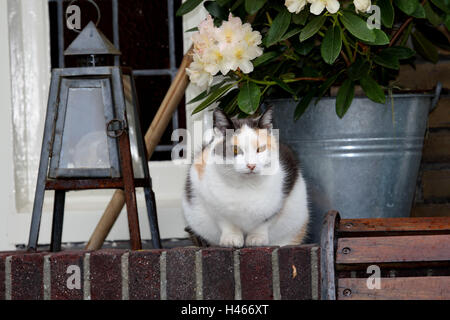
(290, 273)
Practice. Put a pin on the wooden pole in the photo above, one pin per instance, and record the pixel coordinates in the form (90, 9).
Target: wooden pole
(152, 138)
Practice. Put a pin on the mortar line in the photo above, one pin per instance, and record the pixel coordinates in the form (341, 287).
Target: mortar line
(198, 275)
(276, 276)
(86, 276)
(237, 275)
(163, 275)
(125, 276)
(8, 278)
(315, 273)
(47, 278)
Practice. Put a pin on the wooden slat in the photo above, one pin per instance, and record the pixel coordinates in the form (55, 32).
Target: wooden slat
(393, 249)
(393, 226)
(411, 288)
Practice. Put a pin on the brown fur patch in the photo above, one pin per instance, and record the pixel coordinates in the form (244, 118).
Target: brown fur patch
(298, 239)
(265, 138)
(200, 162)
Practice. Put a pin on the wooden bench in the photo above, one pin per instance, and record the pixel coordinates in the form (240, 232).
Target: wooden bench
(412, 255)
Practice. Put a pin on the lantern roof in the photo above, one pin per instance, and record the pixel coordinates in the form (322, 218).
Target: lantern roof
(91, 41)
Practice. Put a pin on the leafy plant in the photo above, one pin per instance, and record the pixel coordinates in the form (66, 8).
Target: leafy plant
(305, 47)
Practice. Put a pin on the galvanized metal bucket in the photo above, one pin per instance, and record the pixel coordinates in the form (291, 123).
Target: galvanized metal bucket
(364, 165)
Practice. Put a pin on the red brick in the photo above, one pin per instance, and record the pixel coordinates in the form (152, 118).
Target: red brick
(436, 147)
(440, 117)
(144, 275)
(106, 274)
(431, 210)
(218, 274)
(59, 264)
(180, 271)
(256, 273)
(436, 184)
(295, 272)
(27, 275)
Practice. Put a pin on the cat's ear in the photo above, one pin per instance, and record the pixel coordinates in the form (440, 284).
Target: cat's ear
(221, 121)
(265, 121)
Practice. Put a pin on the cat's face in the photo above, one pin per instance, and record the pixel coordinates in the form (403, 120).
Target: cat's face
(248, 146)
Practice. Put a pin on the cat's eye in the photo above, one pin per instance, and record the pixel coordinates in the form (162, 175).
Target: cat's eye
(261, 149)
(236, 150)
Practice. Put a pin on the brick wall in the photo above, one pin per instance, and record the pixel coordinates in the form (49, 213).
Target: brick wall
(180, 273)
(433, 184)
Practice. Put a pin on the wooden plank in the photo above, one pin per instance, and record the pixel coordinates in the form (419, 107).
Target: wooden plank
(393, 249)
(393, 226)
(411, 288)
(327, 238)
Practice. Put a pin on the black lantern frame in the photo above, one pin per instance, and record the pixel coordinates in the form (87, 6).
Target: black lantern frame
(127, 167)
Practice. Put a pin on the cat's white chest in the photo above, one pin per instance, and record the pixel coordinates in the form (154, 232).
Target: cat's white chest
(246, 204)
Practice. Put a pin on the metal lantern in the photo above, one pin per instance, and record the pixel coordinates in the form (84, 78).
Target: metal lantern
(92, 137)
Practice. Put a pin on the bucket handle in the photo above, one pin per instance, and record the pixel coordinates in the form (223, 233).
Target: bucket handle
(437, 95)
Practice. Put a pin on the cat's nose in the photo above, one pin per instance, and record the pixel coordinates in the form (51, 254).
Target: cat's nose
(251, 166)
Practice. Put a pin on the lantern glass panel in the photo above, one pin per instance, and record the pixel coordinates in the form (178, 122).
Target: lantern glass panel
(84, 142)
(133, 123)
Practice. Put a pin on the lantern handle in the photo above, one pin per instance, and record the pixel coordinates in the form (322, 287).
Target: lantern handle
(116, 125)
(96, 7)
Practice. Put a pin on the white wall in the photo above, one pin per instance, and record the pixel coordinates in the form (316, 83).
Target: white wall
(83, 208)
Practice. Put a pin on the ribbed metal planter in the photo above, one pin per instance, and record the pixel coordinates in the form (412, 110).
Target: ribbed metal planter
(364, 165)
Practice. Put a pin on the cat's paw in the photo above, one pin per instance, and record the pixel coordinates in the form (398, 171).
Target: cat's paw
(232, 240)
(257, 239)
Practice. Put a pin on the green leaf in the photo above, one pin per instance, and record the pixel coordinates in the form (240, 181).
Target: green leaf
(326, 85)
(192, 29)
(213, 96)
(312, 27)
(290, 33)
(358, 69)
(387, 12)
(419, 12)
(228, 100)
(222, 2)
(381, 38)
(215, 10)
(424, 47)
(205, 93)
(248, 97)
(344, 97)
(447, 21)
(399, 52)
(432, 16)
(279, 26)
(357, 27)
(372, 89)
(387, 61)
(188, 6)
(283, 85)
(303, 104)
(264, 58)
(301, 17)
(407, 6)
(252, 6)
(331, 44)
(444, 5)
(305, 47)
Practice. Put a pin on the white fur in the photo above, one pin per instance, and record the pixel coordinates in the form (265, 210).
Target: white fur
(230, 203)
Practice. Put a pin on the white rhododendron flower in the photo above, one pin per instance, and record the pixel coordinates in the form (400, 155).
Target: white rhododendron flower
(197, 73)
(317, 6)
(295, 5)
(362, 5)
(230, 47)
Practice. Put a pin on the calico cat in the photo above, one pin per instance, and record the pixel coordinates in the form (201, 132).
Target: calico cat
(245, 188)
